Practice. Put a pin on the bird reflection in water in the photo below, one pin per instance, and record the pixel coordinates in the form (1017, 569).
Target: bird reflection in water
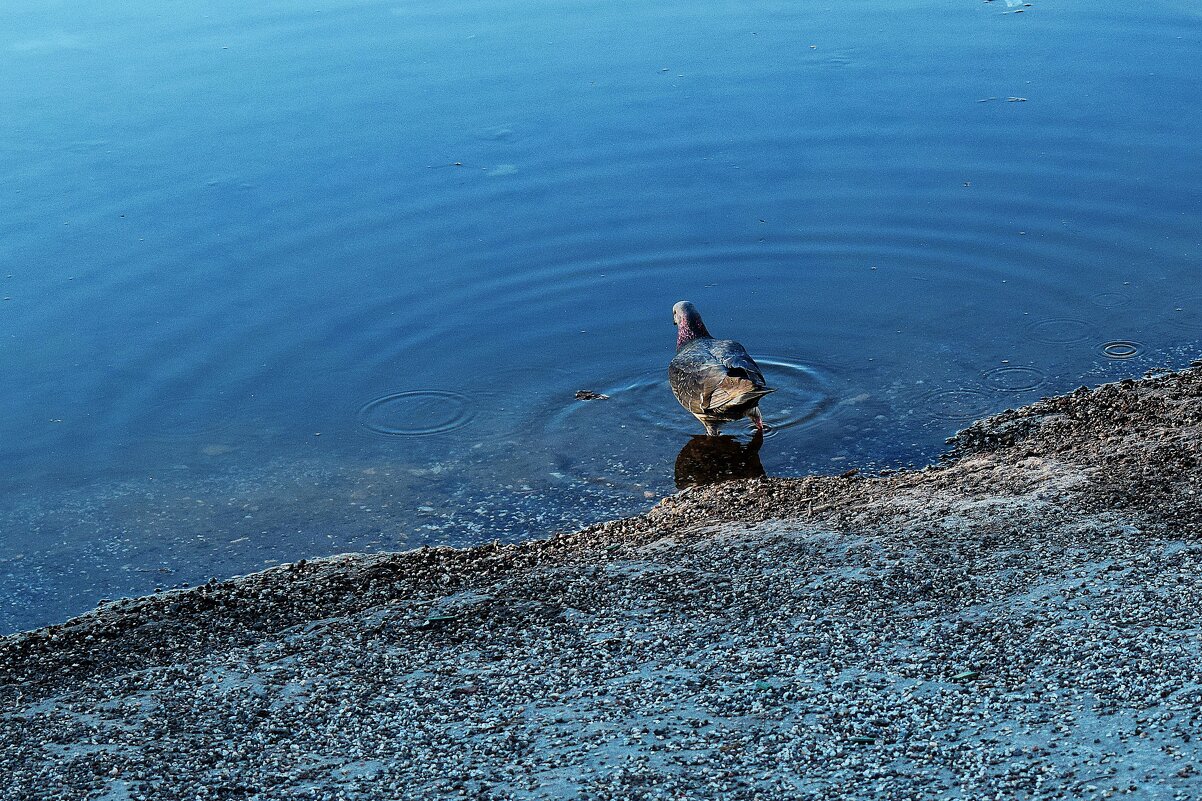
(709, 460)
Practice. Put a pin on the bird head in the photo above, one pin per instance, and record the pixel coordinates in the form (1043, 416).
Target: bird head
(688, 323)
(684, 311)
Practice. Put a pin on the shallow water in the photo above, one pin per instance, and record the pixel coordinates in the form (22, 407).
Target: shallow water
(282, 280)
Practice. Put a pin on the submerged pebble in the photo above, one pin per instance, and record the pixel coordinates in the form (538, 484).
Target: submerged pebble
(732, 640)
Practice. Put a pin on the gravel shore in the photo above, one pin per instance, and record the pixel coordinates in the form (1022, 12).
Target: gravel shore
(1020, 621)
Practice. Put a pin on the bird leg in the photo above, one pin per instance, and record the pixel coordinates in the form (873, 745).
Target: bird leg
(711, 430)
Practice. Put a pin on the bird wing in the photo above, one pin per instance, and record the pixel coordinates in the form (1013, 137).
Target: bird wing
(741, 378)
(694, 377)
(737, 361)
(708, 376)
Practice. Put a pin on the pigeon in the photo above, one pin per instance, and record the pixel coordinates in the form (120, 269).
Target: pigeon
(714, 379)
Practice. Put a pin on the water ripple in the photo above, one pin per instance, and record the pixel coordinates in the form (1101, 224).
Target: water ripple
(416, 413)
(961, 404)
(1061, 330)
(803, 395)
(1014, 378)
(1122, 349)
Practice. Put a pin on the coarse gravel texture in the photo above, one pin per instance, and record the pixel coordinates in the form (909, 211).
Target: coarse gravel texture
(1021, 621)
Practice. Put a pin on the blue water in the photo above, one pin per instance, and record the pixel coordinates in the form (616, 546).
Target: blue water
(283, 280)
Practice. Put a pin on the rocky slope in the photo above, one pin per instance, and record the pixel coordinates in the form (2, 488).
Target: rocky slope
(1020, 621)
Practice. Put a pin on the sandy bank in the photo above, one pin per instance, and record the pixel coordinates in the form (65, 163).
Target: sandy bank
(1021, 621)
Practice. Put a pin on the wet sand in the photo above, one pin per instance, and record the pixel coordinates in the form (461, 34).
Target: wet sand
(1018, 621)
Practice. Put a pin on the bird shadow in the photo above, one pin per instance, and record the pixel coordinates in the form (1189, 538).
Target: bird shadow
(710, 460)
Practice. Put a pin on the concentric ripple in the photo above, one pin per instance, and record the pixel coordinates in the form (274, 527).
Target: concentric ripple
(416, 413)
(1060, 331)
(1122, 349)
(1111, 300)
(1014, 378)
(960, 404)
(803, 395)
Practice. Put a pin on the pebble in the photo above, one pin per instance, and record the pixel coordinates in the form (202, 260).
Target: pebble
(1019, 621)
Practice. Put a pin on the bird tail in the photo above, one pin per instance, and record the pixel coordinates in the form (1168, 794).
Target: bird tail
(739, 398)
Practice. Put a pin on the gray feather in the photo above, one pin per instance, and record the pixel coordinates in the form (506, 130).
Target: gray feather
(716, 380)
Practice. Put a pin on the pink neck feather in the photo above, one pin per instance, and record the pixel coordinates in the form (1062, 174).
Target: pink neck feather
(690, 328)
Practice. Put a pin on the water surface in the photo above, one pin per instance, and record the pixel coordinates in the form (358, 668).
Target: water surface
(282, 280)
